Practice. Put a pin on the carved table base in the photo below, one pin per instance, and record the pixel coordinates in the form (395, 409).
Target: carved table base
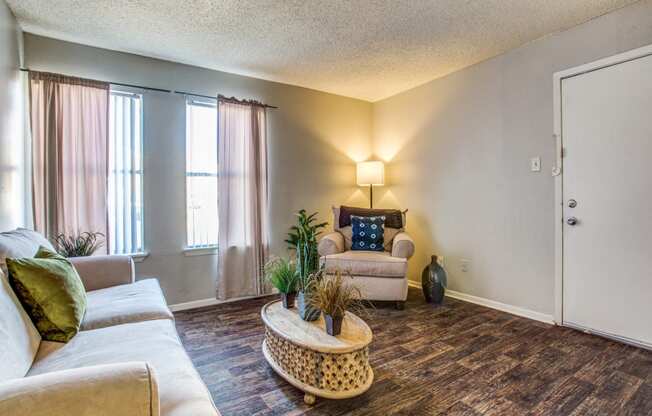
(319, 364)
(328, 375)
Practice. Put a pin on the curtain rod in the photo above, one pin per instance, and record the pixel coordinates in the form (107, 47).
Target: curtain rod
(219, 97)
(114, 83)
(223, 98)
(239, 101)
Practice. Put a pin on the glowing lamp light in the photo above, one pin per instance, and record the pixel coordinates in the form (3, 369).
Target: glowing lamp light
(371, 173)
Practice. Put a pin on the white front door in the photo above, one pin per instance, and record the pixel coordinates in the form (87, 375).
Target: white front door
(607, 177)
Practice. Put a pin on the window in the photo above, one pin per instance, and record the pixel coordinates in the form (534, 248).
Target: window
(201, 173)
(125, 199)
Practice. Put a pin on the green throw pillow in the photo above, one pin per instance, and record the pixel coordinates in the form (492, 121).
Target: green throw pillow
(51, 292)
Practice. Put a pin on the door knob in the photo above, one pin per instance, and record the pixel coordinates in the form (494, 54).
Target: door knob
(571, 221)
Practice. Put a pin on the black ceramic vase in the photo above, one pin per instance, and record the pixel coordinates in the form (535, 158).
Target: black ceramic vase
(306, 311)
(288, 299)
(433, 282)
(333, 324)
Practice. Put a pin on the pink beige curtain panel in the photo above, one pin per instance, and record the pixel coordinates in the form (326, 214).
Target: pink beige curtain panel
(69, 126)
(243, 200)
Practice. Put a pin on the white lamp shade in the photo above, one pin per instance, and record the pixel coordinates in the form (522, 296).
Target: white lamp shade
(371, 173)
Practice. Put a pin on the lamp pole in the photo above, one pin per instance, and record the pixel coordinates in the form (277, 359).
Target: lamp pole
(371, 196)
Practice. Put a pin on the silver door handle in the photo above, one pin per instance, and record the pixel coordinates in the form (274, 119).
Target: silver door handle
(571, 221)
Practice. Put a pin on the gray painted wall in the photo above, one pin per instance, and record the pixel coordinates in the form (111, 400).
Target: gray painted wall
(314, 138)
(13, 186)
(459, 150)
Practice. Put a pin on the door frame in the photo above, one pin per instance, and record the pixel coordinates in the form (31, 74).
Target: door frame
(558, 168)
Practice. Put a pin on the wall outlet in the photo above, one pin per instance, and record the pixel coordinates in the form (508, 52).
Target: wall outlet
(535, 164)
(465, 265)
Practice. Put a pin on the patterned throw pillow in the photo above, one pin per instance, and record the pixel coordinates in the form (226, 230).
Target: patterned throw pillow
(367, 233)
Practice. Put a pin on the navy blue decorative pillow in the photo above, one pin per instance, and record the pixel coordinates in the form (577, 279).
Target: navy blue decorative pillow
(368, 233)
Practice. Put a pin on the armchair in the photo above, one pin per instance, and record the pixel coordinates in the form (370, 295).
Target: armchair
(380, 275)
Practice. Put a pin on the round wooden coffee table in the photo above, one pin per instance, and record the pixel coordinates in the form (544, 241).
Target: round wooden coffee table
(308, 358)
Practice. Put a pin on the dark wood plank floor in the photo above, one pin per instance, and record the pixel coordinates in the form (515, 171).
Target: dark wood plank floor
(459, 359)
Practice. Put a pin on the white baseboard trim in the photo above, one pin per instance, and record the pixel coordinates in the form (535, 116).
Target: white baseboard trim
(514, 310)
(414, 284)
(194, 304)
(201, 303)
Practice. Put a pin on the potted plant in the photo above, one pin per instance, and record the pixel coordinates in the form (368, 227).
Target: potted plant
(80, 245)
(307, 311)
(333, 298)
(282, 274)
(302, 239)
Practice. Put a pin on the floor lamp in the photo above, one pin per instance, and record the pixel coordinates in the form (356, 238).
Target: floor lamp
(371, 173)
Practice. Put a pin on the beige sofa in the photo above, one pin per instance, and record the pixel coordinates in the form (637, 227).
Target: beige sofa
(127, 359)
(380, 275)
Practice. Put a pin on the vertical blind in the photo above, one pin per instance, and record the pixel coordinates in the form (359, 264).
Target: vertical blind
(201, 173)
(125, 191)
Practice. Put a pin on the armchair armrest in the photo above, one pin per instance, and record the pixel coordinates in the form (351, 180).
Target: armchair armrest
(402, 246)
(128, 389)
(99, 272)
(331, 243)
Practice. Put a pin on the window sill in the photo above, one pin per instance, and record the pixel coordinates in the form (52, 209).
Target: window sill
(138, 257)
(200, 251)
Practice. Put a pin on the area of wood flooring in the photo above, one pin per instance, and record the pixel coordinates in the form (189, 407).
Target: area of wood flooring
(458, 359)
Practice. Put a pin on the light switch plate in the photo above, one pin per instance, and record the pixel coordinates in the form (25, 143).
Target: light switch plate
(535, 164)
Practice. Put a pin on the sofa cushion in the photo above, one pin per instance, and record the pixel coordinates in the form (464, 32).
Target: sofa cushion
(20, 243)
(136, 302)
(19, 339)
(388, 237)
(347, 233)
(366, 263)
(181, 391)
(124, 389)
(51, 292)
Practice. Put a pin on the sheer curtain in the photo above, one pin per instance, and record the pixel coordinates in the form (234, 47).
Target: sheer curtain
(242, 199)
(69, 127)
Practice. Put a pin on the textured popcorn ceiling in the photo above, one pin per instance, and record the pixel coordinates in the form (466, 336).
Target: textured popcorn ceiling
(368, 49)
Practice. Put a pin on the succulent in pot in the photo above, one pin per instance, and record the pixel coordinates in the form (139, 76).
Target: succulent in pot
(307, 311)
(333, 297)
(282, 274)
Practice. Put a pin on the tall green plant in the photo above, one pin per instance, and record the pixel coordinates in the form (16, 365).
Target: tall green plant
(302, 238)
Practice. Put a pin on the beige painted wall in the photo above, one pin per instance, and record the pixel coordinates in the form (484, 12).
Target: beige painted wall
(13, 186)
(313, 137)
(459, 150)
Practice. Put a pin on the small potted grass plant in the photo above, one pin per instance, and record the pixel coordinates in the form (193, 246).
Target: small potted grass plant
(282, 274)
(333, 297)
